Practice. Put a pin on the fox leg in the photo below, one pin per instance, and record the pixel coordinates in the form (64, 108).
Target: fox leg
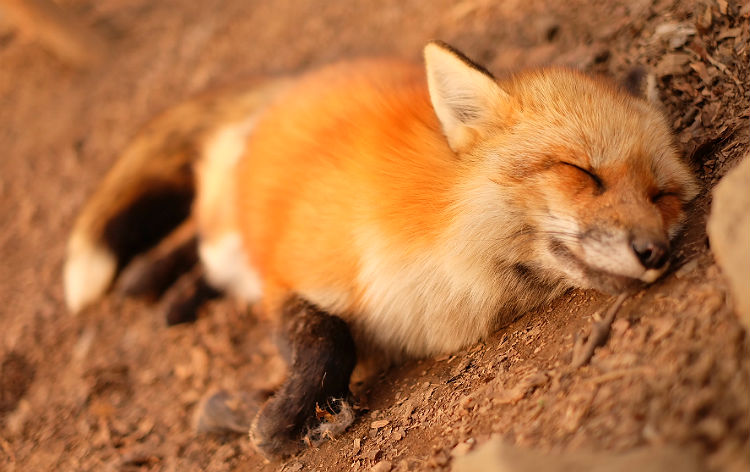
(184, 298)
(320, 352)
(170, 271)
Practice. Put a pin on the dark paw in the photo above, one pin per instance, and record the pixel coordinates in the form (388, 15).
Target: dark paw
(183, 300)
(151, 274)
(277, 433)
(333, 422)
(321, 356)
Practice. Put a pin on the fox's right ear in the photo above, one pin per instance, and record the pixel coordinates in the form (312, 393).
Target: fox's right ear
(642, 84)
(464, 95)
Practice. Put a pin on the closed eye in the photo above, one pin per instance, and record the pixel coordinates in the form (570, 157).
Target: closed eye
(597, 180)
(661, 195)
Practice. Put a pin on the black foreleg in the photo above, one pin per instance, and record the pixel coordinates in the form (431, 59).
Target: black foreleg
(321, 355)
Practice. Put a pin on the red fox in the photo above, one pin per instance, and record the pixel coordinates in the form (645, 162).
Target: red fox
(384, 208)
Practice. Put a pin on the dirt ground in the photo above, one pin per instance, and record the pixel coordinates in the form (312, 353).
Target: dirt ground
(115, 389)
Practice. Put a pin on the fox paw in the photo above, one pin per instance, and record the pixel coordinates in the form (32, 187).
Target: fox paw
(332, 424)
(275, 437)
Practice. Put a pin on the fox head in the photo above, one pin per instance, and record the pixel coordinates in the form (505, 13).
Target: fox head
(575, 175)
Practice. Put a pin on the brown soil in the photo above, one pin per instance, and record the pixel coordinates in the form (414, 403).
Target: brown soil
(115, 389)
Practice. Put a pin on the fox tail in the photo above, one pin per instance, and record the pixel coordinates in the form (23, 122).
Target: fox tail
(148, 193)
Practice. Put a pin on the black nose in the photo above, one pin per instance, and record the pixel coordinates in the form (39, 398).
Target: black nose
(653, 253)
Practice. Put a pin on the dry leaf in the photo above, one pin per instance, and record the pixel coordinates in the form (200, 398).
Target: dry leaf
(675, 34)
(700, 69)
(672, 64)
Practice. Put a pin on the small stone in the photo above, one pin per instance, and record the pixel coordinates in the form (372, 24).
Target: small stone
(712, 428)
(620, 325)
(382, 466)
(379, 424)
(461, 449)
(467, 402)
(662, 328)
(440, 459)
(373, 454)
(140, 457)
(293, 467)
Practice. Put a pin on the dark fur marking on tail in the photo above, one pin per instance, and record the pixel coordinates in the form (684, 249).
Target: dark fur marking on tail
(152, 216)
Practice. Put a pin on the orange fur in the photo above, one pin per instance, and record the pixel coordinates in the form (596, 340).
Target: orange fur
(318, 174)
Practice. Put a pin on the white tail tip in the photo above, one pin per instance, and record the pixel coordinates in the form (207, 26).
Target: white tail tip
(88, 273)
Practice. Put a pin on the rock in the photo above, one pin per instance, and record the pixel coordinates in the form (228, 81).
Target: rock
(729, 233)
(382, 466)
(496, 456)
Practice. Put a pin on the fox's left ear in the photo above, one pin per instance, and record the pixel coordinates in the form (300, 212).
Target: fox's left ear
(464, 95)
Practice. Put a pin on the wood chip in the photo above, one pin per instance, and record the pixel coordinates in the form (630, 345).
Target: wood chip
(722, 6)
(702, 71)
(293, 467)
(521, 389)
(379, 424)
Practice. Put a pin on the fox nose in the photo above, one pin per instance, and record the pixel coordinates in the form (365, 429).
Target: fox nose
(653, 253)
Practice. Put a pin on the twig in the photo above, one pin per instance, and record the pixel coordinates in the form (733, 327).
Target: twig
(599, 332)
(617, 374)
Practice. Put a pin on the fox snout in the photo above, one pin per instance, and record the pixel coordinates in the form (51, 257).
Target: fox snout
(652, 251)
(620, 244)
(612, 260)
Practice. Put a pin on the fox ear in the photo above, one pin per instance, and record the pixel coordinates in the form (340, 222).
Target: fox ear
(642, 84)
(464, 95)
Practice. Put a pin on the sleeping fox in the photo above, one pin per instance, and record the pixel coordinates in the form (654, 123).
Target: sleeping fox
(383, 208)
